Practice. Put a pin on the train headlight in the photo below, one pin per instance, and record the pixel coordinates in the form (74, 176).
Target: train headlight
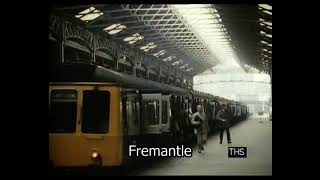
(96, 158)
(94, 155)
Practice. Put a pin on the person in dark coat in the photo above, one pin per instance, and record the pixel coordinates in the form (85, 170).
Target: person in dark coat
(223, 118)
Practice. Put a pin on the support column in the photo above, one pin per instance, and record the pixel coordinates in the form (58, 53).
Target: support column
(192, 82)
(159, 75)
(169, 74)
(182, 77)
(116, 63)
(62, 42)
(175, 75)
(94, 50)
(148, 69)
(134, 69)
(270, 115)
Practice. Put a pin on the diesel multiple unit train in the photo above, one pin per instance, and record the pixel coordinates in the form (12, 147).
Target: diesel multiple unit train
(95, 113)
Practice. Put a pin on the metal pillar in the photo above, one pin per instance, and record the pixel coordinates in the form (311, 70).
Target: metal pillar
(148, 68)
(134, 69)
(159, 74)
(116, 63)
(62, 42)
(94, 49)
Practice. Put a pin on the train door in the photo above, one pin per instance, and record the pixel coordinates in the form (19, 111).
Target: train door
(213, 106)
(186, 110)
(238, 110)
(166, 113)
(234, 110)
(151, 114)
(211, 114)
(242, 110)
(217, 108)
(131, 113)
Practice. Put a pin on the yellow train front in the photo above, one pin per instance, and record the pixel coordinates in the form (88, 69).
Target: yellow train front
(85, 124)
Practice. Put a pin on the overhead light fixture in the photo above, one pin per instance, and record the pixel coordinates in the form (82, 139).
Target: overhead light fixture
(162, 52)
(262, 32)
(169, 58)
(148, 46)
(133, 38)
(114, 28)
(263, 42)
(267, 23)
(184, 66)
(214, 10)
(267, 12)
(89, 14)
(265, 6)
(261, 20)
(177, 62)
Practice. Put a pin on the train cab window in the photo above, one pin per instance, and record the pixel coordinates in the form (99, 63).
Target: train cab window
(151, 112)
(63, 111)
(164, 112)
(95, 112)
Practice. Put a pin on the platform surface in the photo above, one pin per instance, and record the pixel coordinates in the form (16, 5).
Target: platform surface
(255, 133)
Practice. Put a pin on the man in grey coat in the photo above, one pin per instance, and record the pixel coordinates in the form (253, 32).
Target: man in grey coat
(199, 120)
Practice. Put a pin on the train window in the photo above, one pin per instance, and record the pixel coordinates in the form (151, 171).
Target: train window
(151, 111)
(164, 112)
(95, 112)
(63, 111)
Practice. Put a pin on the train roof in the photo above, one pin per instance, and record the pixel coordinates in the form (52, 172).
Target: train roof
(83, 72)
(202, 95)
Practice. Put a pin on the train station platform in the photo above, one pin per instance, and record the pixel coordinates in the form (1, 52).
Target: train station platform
(255, 133)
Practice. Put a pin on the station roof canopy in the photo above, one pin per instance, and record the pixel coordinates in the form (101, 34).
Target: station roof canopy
(191, 37)
(250, 28)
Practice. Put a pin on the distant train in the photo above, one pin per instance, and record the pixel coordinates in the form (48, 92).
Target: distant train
(95, 113)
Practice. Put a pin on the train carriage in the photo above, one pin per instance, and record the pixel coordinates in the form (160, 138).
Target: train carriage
(95, 113)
